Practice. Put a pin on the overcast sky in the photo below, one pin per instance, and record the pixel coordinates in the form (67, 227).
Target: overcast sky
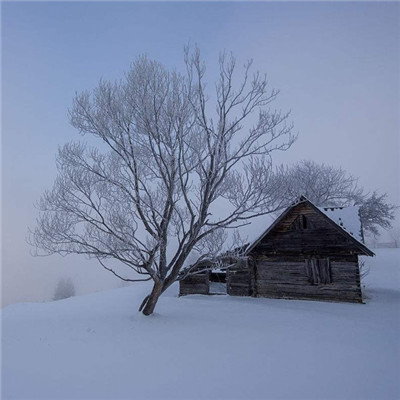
(336, 64)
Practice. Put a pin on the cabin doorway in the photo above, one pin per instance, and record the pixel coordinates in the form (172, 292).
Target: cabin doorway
(217, 282)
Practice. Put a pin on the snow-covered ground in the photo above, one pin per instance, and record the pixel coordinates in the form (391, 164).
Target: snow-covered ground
(207, 347)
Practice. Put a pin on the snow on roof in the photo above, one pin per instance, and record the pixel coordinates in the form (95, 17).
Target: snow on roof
(257, 227)
(347, 218)
(252, 231)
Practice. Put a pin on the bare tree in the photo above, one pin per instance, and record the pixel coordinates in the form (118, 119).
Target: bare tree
(326, 185)
(395, 235)
(173, 173)
(64, 289)
(376, 212)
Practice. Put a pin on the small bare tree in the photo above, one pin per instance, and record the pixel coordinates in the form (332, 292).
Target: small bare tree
(326, 185)
(395, 236)
(64, 289)
(174, 171)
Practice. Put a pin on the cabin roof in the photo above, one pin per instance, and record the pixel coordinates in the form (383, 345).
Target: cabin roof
(348, 218)
(345, 219)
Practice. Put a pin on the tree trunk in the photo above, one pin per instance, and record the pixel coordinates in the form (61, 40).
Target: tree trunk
(150, 301)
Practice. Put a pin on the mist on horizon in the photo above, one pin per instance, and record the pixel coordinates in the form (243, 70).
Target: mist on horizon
(336, 64)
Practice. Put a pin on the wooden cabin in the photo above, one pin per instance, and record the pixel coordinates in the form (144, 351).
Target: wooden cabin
(308, 253)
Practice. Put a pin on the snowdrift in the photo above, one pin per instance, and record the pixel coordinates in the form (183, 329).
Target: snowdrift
(207, 347)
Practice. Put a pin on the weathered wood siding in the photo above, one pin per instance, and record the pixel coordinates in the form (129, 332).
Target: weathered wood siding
(279, 278)
(320, 237)
(195, 284)
(305, 256)
(282, 260)
(240, 279)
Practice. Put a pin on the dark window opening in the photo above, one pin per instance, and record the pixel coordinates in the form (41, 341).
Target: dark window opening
(300, 223)
(217, 282)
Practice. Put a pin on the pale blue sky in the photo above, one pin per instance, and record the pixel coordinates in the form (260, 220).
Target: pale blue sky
(337, 65)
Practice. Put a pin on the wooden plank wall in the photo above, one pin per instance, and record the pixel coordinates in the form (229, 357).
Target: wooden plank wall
(277, 278)
(240, 279)
(276, 266)
(195, 284)
(321, 237)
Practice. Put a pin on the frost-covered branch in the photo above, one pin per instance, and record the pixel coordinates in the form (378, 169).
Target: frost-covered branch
(168, 158)
(326, 185)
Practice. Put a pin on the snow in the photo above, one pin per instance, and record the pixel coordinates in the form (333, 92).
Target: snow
(347, 218)
(217, 288)
(253, 230)
(257, 227)
(207, 347)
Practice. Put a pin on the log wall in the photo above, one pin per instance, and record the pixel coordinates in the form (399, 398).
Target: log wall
(320, 237)
(240, 279)
(195, 284)
(283, 264)
(278, 278)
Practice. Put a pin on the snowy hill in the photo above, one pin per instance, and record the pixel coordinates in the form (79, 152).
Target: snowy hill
(207, 347)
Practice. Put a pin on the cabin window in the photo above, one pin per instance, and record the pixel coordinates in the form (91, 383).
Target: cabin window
(300, 223)
(318, 270)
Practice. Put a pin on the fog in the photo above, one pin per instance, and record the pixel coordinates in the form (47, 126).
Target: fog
(336, 64)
